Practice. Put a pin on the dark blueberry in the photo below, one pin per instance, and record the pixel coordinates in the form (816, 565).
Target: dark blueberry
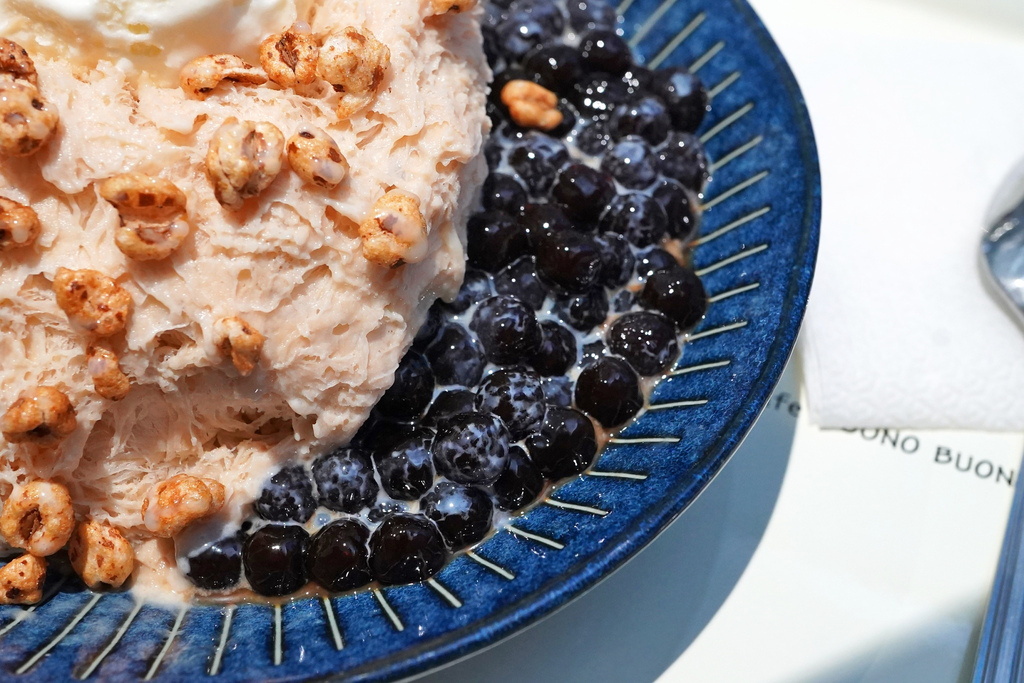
(646, 340)
(683, 159)
(448, 404)
(218, 565)
(564, 445)
(556, 67)
(476, 286)
(623, 301)
(344, 479)
(494, 239)
(504, 193)
(653, 260)
(538, 158)
(519, 34)
(507, 329)
(557, 350)
(617, 259)
(593, 138)
(583, 193)
(558, 391)
(569, 117)
(639, 79)
(609, 391)
(605, 50)
(275, 559)
(287, 496)
(412, 389)
(456, 357)
(568, 260)
(381, 433)
(520, 279)
(462, 513)
(520, 484)
(471, 448)
(516, 397)
(406, 549)
(592, 351)
(384, 508)
(637, 217)
(544, 11)
(493, 151)
(646, 117)
(584, 311)
(541, 218)
(338, 555)
(631, 162)
(684, 95)
(431, 326)
(585, 15)
(407, 470)
(678, 293)
(682, 219)
(599, 94)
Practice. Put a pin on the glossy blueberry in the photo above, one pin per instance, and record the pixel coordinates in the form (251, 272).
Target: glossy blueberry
(538, 158)
(683, 159)
(520, 484)
(682, 217)
(287, 496)
(623, 301)
(471, 448)
(338, 555)
(344, 479)
(556, 67)
(516, 397)
(593, 137)
(519, 34)
(605, 50)
(568, 260)
(557, 350)
(407, 469)
(520, 279)
(541, 218)
(379, 433)
(456, 357)
(599, 94)
(684, 95)
(617, 259)
(647, 117)
(592, 351)
(476, 287)
(678, 293)
(583, 193)
(218, 565)
(412, 389)
(609, 391)
(569, 118)
(430, 327)
(637, 217)
(494, 150)
(448, 404)
(652, 260)
(504, 193)
(584, 311)
(507, 329)
(381, 510)
(275, 559)
(406, 549)
(564, 445)
(547, 13)
(585, 15)
(631, 162)
(646, 340)
(462, 513)
(494, 239)
(558, 391)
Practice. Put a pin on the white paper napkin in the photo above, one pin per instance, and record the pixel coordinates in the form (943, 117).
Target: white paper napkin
(919, 114)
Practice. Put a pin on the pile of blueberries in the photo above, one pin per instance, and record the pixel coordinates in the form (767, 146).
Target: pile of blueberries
(499, 394)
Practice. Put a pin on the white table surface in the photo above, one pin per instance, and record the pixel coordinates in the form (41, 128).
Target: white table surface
(815, 556)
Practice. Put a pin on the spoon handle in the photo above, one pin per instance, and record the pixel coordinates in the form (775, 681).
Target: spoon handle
(1001, 648)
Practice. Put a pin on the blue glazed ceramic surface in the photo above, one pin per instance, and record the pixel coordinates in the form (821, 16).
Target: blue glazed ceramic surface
(756, 256)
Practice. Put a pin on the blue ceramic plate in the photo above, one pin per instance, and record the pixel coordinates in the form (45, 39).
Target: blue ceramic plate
(756, 256)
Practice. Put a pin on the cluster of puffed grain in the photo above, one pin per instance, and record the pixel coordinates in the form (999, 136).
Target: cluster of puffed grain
(241, 159)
